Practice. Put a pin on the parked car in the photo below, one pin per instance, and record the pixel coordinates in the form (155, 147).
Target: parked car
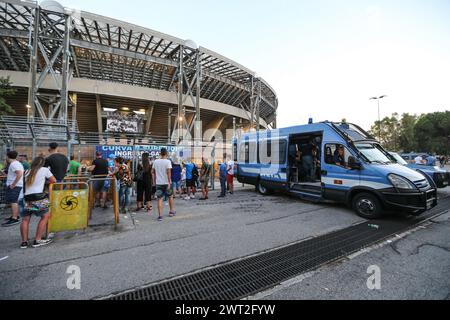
(440, 177)
(411, 157)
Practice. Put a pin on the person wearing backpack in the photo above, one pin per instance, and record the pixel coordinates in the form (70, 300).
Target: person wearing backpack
(36, 202)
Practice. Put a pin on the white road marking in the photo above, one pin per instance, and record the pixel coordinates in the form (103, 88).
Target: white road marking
(4, 258)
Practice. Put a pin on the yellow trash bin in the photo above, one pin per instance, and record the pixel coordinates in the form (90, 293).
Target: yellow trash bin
(69, 207)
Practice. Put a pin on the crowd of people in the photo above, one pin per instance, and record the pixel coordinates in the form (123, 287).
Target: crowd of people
(431, 160)
(162, 179)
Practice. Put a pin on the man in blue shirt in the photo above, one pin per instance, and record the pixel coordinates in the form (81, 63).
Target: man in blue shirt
(431, 161)
(223, 179)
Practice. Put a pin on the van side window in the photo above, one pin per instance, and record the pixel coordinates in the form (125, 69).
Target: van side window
(267, 148)
(282, 152)
(337, 154)
(252, 156)
(242, 152)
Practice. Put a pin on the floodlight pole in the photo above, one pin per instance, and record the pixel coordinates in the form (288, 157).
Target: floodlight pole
(379, 114)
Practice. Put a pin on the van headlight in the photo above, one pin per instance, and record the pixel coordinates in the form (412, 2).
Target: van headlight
(401, 183)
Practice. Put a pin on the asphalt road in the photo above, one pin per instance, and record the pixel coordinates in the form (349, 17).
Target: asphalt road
(203, 234)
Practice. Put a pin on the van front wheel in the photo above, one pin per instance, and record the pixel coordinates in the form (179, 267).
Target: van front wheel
(262, 190)
(367, 206)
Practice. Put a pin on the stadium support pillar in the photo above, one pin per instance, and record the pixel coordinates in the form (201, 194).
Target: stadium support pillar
(74, 100)
(49, 46)
(98, 102)
(198, 78)
(257, 107)
(64, 108)
(189, 76)
(149, 119)
(180, 114)
(34, 38)
(169, 127)
(255, 101)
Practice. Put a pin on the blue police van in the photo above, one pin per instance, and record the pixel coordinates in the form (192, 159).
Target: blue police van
(329, 161)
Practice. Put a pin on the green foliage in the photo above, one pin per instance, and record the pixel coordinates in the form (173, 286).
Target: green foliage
(388, 132)
(409, 133)
(6, 91)
(432, 132)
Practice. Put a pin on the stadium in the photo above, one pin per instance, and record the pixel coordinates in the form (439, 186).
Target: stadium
(85, 80)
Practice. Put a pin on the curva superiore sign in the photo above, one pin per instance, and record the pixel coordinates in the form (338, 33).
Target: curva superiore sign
(130, 152)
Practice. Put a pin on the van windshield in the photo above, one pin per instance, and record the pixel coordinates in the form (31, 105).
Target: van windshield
(399, 159)
(373, 152)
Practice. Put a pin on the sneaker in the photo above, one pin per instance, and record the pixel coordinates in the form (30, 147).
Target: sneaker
(221, 196)
(41, 243)
(11, 222)
(24, 245)
(187, 198)
(172, 214)
(203, 199)
(192, 197)
(160, 219)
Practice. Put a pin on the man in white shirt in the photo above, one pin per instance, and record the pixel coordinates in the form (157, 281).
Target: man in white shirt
(230, 175)
(419, 160)
(162, 175)
(14, 185)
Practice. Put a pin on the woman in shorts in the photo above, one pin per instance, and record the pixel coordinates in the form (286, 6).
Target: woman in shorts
(36, 202)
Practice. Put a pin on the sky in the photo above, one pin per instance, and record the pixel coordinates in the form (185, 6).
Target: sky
(324, 58)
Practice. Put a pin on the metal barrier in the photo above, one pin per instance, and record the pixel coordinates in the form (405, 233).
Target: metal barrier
(75, 179)
(2, 192)
(69, 207)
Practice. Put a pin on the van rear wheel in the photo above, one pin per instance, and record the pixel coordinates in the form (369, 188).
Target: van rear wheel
(367, 206)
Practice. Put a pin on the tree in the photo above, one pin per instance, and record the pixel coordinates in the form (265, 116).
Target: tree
(428, 133)
(432, 132)
(388, 134)
(407, 141)
(6, 91)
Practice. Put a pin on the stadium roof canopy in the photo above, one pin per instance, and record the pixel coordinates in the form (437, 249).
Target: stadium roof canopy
(106, 49)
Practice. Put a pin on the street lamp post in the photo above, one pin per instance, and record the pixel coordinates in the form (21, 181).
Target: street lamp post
(379, 116)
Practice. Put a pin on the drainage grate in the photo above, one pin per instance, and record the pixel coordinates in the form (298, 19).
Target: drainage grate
(243, 278)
